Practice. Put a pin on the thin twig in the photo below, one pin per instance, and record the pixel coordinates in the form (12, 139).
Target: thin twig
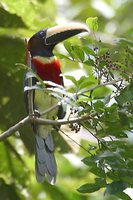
(50, 109)
(42, 121)
(76, 142)
(97, 86)
(30, 84)
(14, 128)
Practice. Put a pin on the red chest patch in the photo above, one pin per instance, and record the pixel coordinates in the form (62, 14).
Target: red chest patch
(48, 71)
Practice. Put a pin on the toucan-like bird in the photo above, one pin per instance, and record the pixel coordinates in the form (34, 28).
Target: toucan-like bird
(47, 67)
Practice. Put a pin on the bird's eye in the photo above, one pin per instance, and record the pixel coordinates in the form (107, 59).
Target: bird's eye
(41, 34)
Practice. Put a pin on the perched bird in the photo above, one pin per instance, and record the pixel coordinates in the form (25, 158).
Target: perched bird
(47, 67)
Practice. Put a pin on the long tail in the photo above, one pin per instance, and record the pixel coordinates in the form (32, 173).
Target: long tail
(45, 164)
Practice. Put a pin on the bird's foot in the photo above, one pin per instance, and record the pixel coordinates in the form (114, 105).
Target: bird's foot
(36, 113)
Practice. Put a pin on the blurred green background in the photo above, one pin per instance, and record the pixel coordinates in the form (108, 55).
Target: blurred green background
(19, 19)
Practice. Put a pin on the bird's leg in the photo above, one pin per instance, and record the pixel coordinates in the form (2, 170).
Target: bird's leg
(36, 113)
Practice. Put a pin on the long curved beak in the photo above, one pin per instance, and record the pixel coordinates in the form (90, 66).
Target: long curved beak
(59, 33)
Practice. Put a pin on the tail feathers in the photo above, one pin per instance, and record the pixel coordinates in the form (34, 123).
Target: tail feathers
(45, 163)
(49, 142)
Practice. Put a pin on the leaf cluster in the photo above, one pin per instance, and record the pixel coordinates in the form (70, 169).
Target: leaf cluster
(106, 91)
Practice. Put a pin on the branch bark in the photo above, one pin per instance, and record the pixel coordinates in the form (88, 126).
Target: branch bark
(41, 121)
(33, 119)
(30, 92)
(14, 128)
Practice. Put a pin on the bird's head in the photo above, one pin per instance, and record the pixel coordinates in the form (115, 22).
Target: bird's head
(43, 42)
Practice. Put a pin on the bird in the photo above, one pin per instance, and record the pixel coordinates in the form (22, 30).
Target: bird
(48, 68)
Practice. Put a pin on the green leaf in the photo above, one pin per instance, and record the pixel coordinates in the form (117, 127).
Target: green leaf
(124, 119)
(126, 94)
(101, 92)
(129, 50)
(102, 64)
(116, 187)
(121, 65)
(88, 188)
(89, 62)
(92, 187)
(102, 51)
(79, 52)
(93, 168)
(61, 56)
(21, 8)
(123, 196)
(71, 78)
(10, 20)
(98, 106)
(88, 161)
(88, 51)
(126, 41)
(86, 82)
(69, 48)
(92, 22)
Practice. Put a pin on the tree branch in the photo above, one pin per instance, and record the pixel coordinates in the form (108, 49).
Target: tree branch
(42, 121)
(14, 128)
(59, 122)
(50, 109)
(30, 92)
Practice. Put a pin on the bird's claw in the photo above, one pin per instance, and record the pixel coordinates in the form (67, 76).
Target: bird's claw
(36, 113)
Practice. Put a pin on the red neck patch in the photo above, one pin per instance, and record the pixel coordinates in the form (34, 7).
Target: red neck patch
(48, 71)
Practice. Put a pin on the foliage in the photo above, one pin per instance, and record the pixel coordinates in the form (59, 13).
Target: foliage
(112, 121)
(108, 163)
